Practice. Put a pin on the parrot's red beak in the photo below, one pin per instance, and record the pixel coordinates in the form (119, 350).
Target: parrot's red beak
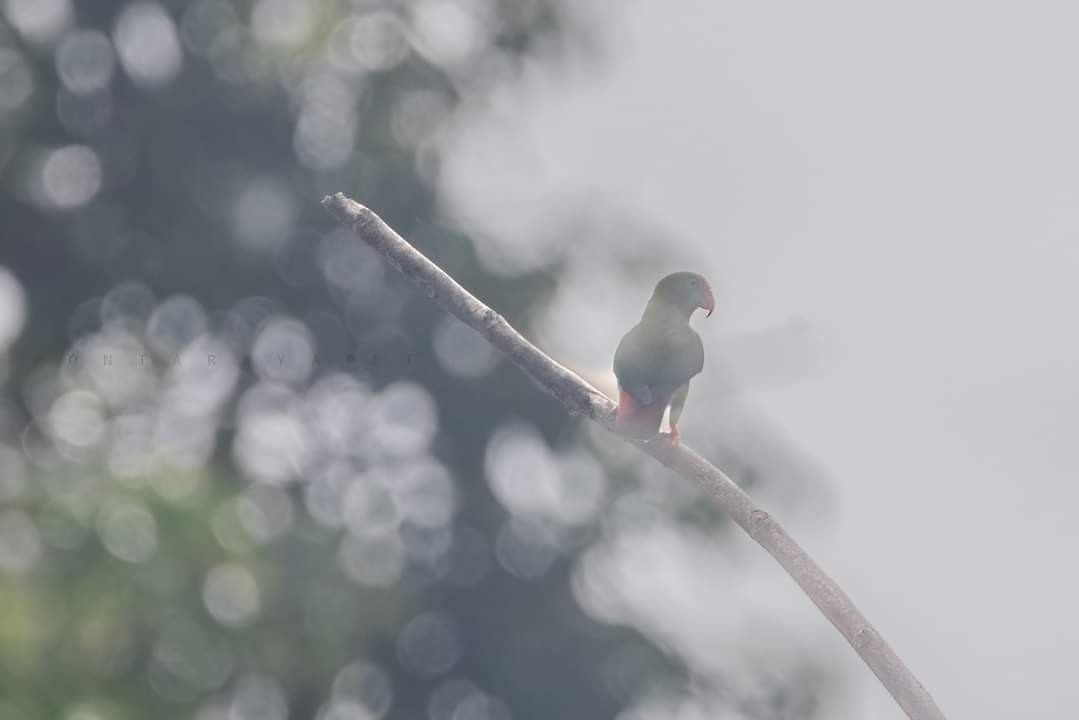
(709, 302)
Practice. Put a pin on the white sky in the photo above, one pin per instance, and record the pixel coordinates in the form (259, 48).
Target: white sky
(905, 178)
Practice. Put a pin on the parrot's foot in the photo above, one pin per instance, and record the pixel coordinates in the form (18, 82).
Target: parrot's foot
(674, 436)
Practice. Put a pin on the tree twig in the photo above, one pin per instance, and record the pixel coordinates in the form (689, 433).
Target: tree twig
(580, 398)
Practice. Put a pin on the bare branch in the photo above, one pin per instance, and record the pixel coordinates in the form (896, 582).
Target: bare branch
(580, 398)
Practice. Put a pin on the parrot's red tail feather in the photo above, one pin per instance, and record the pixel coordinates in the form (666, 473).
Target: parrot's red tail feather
(637, 420)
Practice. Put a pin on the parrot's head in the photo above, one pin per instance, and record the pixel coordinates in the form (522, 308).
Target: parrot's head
(686, 291)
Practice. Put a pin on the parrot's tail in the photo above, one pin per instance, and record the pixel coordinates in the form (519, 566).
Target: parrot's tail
(640, 422)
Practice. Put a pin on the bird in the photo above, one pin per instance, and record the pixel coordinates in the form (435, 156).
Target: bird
(657, 358)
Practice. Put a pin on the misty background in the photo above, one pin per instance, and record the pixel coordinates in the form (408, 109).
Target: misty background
(359, 510)
(903, 180)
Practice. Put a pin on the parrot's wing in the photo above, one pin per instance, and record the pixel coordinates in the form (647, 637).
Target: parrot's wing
(632, 364)
(660, 358)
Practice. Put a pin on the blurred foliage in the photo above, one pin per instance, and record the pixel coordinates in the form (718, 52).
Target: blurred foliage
(246, 472)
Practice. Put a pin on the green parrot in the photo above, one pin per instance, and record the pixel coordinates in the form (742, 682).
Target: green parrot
(658, 357)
